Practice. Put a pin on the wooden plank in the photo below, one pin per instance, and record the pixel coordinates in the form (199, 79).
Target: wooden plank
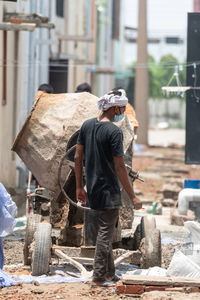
(46, 25)
(76, 38)
(15, 27)
(4, 100)
(84, 260)
(122, 257)
(159, 280)
(70, 260)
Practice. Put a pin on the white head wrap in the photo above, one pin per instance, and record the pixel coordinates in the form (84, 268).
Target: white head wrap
(110, 99)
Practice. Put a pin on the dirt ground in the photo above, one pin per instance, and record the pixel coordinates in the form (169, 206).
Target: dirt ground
(153, 159)
(68, 291)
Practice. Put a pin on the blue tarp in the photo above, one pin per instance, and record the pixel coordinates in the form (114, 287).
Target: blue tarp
(60, 277)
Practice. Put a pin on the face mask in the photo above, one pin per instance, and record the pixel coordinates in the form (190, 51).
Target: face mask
(118, 118)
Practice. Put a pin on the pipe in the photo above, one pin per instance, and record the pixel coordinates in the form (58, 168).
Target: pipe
(185, 196)
(77, 205)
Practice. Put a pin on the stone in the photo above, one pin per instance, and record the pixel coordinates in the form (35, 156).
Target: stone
(165, 168)
(179, 181)
(191, 289)
(164, 295)
(37, 291)
(171, 191)
(177, 219)
(168, 202)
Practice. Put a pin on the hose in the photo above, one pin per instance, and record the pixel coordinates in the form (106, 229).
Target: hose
(62, 188)
(133, 175)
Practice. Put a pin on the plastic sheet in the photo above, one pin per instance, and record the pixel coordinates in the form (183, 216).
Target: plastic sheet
(47, 279)
(8, 211)
(154, 271)
(60, 277)
(189, 254)
(1, 253)
(194, 235)
(5, 279)
(182, 266)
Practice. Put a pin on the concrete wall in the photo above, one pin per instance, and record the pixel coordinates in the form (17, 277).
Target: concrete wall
(7, 112)
(167, 110)
(105, 49)
(32, 67)
(24, 74)
(78, 18)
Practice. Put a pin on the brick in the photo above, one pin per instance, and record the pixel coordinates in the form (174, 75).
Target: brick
(156, 288)
(16, 20)
(120, 288)
(134, 289)
(129, 289)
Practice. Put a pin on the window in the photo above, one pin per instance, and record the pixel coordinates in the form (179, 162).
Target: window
(173, 40)
(60, 8)
(115, 19)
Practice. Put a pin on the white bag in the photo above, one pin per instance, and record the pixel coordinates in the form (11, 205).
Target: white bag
(182, 266)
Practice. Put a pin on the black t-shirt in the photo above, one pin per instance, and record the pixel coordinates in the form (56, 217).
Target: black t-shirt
(101, 141)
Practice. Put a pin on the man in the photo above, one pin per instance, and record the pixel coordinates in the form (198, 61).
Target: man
(83, 87)
(100, 143)
(47, 88)
(44, 88)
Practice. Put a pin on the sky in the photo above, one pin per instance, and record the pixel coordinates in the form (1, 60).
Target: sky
(163, 15)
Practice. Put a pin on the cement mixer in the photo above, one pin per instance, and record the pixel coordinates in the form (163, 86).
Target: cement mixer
(56, 224)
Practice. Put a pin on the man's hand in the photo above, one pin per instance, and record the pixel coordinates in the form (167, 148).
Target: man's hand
(137, 204)
(122, 174)
(81, 195)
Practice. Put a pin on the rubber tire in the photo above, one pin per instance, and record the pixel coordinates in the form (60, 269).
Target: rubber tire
(151, 250)
(42, 250)
(148, 224)
(31, 226)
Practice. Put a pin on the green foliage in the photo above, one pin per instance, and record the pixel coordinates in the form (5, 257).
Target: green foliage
(160, 74)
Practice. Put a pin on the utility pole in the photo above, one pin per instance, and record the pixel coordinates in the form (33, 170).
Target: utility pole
(141, 75)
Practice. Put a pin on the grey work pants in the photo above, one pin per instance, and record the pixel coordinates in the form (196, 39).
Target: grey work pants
(103, 260)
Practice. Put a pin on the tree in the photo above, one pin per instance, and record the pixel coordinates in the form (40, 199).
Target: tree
(160, 74)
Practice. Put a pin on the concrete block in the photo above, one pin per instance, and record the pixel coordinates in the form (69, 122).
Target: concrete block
(159, 281)
(74, 235)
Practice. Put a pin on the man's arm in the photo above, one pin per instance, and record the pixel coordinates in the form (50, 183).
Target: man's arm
(122, 174)
(80, 192)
